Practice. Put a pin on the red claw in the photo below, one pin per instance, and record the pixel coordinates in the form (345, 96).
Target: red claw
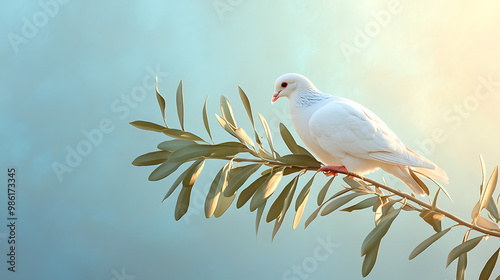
(331, 170)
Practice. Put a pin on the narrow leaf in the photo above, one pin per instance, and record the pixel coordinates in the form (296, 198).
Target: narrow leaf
(182, 203)
(219, 150)
(490, 188)
(290, 142)
(304, 192)
(258, 217)
(493, 209)
(173, 145)
(148, 126)
(461, 266)
(187, 185)
(246, 103)
(288, 139)
(178, 181)
(432, 218)
(369, 260)
(337, 203)
(312, 217)
(428, 242)
(238, 176)
(227, 111)
(205, 119)
(161, 102)
(300, 160)
(277, 207)
(179, 134)
(223, 204)
(212, 198)
(300, 211)
(462, 248)
(243, 136)
(369, 202)
(248, 108)
(351, 182)
(268, 132)
(286, 206)
(489, 266)
(227, 126)
(267, 189)
(194, 172)
(152, 158)
(180, 104)
(277, 225)
(324, 190)
(487, 224)
(164, 170)
(417, 179)
(247, 193)
(291, 170)
(373, 238)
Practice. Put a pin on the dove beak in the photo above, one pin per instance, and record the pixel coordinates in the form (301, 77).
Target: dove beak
(276, 95)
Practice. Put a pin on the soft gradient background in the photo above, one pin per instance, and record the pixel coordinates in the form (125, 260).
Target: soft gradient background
(104, 220)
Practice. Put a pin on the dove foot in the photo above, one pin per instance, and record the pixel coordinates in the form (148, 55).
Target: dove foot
(330, 170)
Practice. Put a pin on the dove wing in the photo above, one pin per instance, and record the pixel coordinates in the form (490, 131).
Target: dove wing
(343, 127)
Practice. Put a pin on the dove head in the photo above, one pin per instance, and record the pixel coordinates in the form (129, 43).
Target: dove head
(290, 84)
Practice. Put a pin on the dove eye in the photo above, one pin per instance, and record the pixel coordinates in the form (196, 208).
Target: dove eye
(283, 85)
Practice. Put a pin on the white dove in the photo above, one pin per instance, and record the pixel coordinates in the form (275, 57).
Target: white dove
(346, 136)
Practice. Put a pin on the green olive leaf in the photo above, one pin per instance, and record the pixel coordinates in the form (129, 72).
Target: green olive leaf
(227, 111)
(462, 248)
(205, 119)
(489, 266)
(300, 160)
(238, 176)
(427, 242)
(267, 189)
(375, 236)
(152, 158)
(180, 134)
(165, 169)
(161, 102)
(369, 202)
(148, 126)
(247, 193)
(339, 202)
(173, 145)
(180, 104)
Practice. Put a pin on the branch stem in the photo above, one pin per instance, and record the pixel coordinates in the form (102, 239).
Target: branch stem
(382, 186)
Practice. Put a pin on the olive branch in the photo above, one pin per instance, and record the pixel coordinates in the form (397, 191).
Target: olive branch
(245, 157)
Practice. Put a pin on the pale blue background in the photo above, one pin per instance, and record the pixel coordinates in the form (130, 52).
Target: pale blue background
(105, 218)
